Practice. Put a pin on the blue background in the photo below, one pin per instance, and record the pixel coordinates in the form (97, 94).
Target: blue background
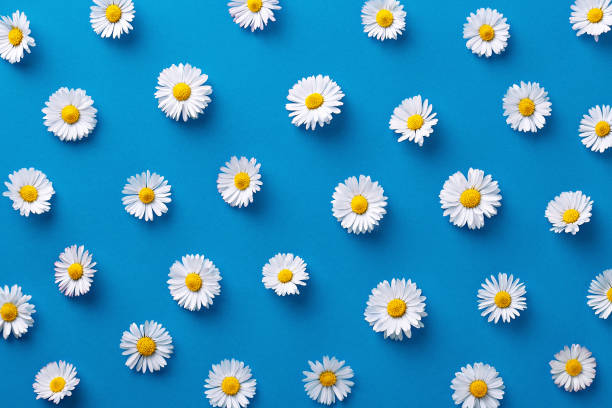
(250, 74)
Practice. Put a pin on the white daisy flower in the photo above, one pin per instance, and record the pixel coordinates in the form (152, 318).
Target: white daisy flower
(314, 100)
(502, 297)
(253, 13)
(526, 107)
(283, 273)
(383, 19)
(69, 114)
(600, 298)
(146, 193)
(395, 308)
(359, 205)
(593, 17)
(479, 386)
(328, 380)
(595, 128)
(15, 37)
(15, 312)
(181, 92)
(74, 271)
(55, 381)
(112, 17)
(239, 180)
(148, 346)
(413, 119)
(568, 211)
(467, 201)
(194, 282)
(230, 384)
(573, 369)
(30, 191)
(486, 32)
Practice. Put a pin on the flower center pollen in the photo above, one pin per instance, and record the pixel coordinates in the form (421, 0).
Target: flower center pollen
(285, 275)
(526, 107)
(573, 367)
(8, 312)
(502, 299)
(28, 193)
(181, 91)
(146, 346)
(470, 198)
(384, 18)
(478, 388)
(415, 122)
(595, 15)
(570, 216)
(15, 36)
(57, 384)
(327, 378)
(230, 385)
(242, 180)
(254, 5)
(486, 32)
(146, 195)
(113, 13)
(193, 281)
(314, 100)
(396, 308)
(70, 114)
(602, 129)
(609, 295)
(359, 204)
(75, 271)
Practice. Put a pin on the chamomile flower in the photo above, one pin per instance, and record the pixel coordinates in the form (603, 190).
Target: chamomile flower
(30, 191)
(55, 381)
(74, 271)
(359, 205)
(253, 13)
(194, 282)
(145, 194)
(181, 92)
(230, 384)
(478, 386)
(593, 17)
(486, 32)
(595, 128)
(239, 180)
(15, 311)
(526, 107)
(148, 346)
(112, 17)
(468, 201)
(600, 298)
(328, 381)
(383, 19)
(15, 37)
(70, 115)
(413, 119)
(313, 100)
(568, 211)
(573, 368)
(502, 297)
(283, 273)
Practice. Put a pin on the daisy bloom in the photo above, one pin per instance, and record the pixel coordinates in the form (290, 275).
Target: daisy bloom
(30, 191)
(486, 32)
(568, 211)
(478, 386)
(573, 369)
(359, 205)
(15, 312)
(600, 298)
(194, 282)
(502, 297)
(413, 119)
(595, 128)
(15, 37)
(74, 271)
(593, 17)
(112, 17)
(55, 381)
(69, 114)
(230, 384)
(314, 100)
(239, 180)
(146, 193)
(147, 345)
(328, 380)
(467, 201)
(283, 273)
(181, 92)
(253, 13)
(526, 106)
(383, 19)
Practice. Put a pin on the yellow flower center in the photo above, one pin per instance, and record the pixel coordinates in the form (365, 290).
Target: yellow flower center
(327, 378)
(181, 91)
(526, 107)
(146, 346)
(57, 384)
(570, 216)
(146, 195)
(359, 204)
(595, 15)
(602, 129)
(414, 122)
(15, 36)
(609, 295)
(396, 308)
(384, 18)
(230, 385)
(70, 114)
(242, 180)
(285, 275)
(502, 299)
(470, 198)
(486, 32)
(113, 13)
(314, 100)
(254, 5)
(75, 271)
(573, 367)
(193, 281)
(28, 193)
(478, 388)
(8, 312)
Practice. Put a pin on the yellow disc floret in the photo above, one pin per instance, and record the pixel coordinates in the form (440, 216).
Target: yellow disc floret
(327, 378)
(595, 15)
(478, 388)
(70, 114)
(396, 308)
(314, 100)
(113, 13)
(285, 275)
(359, 204)
(57, 384)
(146, 195)
(415, 122)
(28, 193)
(470, 198)
(146, 346)
(502, 299)
(573, 367)
(254, 5)
(242, 180)
(602, 129)
(570, 216)
(609, 295)
(486, 32)
(8, 312)
(526, 107)
(384, 18)
(181, 91)
(193, 281)
(230, 385)
(15, 36)
(75, 271)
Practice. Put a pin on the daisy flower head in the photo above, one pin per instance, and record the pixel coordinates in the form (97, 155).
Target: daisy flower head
(239, 180)
(30, 191)
(486, 32)
(55, 381)
(253, 13)
(230, 384)
(359, 205)
(468, 201)
(502, 297)
(383, 19)
(112, 17)
(194, 282)
(146, 193)
(328, 380)
(283, 273)
(74, 271)
(313, 100)
(148, 346)
(526, 107)
(595, 128)
(568, 211)
(413, 119)
(70, 115)
(477, 386)
(600, 298)
(593, 17)
(15, 37)
(573, 368)
(181, 92)
(15, 312)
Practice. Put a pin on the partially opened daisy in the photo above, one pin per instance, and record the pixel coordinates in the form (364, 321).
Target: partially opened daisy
(313, 100)
(230, 384)
(413, 119)
(568, 211)
(15, 311)
(112, 17)
(69, 114)
(30, 191)
(239, 180)
(181, 92)
(595, 128)
(383, 19)
(148, 346)
(573, 368)
(502, 297)
(600, 298)
(253, 13)
(359, 205)
(526, 106)
(145, 194)
(593, 17)
(486, 32)
(15, 37)
(328, 381)
(468, 201)
(74, 271)
(283, 273)
(194, 282)
(478, 386)
(55, 381)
